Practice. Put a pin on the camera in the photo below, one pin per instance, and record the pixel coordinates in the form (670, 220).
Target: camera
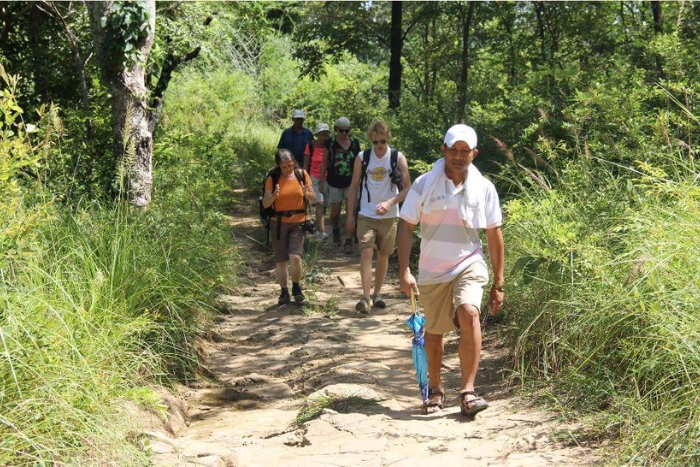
(308, 226)
(396, 177)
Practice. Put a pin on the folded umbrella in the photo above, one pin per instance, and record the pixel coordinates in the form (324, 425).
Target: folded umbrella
(420, 359)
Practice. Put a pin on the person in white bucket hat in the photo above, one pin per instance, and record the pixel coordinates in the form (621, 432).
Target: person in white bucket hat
(313, 158)
(453, 203)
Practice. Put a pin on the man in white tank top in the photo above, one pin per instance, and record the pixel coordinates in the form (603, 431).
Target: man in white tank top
(379, 197)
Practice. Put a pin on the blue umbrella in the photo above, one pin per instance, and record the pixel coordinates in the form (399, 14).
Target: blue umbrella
(420, 359)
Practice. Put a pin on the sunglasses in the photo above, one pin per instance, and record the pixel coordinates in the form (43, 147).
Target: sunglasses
(379, 141)
(343, 130)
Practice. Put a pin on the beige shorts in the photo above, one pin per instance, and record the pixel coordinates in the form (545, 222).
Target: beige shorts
(321, 196)
(440, 301)
(377, 233)
(337, 195)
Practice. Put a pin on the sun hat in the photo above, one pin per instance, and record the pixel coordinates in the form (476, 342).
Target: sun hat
(343, 122)
(322, 128)
(298, 114)
(461, 132)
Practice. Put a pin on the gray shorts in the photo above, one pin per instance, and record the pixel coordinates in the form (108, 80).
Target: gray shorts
(337, 195)
(322, 197)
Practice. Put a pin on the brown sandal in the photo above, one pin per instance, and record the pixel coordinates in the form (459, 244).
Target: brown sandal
(436, 400)
(472, 407)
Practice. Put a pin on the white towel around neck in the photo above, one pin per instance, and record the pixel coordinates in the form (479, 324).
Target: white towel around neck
(472, 210)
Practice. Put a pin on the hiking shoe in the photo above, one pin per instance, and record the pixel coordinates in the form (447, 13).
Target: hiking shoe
(298, 294)
(336, 237)
(317, 235)
(324, 236)
(348, 246)
(284, 298)
(378, 302)
(363, 306)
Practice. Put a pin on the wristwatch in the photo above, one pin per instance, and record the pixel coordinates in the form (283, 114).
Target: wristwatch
(498, 287)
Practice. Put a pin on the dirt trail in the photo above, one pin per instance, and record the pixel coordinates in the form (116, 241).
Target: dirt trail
(269, 361)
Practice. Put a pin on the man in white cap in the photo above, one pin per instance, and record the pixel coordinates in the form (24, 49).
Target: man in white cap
(453, 202)
(296, 137)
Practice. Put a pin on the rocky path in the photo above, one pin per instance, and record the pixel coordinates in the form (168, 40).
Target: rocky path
(322, 385)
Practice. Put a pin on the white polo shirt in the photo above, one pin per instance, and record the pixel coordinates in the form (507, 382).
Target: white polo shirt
(448, 246)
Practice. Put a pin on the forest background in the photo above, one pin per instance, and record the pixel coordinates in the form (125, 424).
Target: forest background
(125, 129)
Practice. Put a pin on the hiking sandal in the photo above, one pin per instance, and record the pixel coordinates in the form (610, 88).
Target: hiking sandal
(378, 302)
(471, 407)
(363, 306)
(436, 400)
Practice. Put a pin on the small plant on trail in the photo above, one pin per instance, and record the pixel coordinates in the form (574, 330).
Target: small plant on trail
(314, 407)
(328, 307)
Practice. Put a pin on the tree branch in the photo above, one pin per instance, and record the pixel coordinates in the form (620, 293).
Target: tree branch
(73, 40)
(166, 75)
(168, 67)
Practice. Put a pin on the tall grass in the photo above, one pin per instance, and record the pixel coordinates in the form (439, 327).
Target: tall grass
(605, 303)
(108, 303)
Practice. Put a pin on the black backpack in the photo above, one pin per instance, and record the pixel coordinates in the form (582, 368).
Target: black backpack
(268, 213)
(395, 174)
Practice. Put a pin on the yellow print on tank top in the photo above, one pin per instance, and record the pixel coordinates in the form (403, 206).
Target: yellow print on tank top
(378, 174)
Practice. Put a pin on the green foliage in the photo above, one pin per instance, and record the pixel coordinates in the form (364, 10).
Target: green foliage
(97, 302)
(16, 152)
(126, 25)
(19, 159)
(605, 279)
(327, 29)
(351, 89)
(214, 137)
(110, 303)
(277, 73)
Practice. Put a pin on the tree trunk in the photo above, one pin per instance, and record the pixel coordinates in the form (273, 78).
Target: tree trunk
(133, 138)
(658, 29)
(464, 74)
(395, 61)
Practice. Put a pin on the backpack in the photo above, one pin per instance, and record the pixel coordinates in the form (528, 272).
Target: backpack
(394, 170)
(342, 168)
(310, 148)
(268, 213)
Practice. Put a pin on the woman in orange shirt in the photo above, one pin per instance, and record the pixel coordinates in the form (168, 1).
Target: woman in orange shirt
(289, 197)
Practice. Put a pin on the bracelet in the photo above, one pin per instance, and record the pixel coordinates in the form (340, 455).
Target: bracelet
(498, 287)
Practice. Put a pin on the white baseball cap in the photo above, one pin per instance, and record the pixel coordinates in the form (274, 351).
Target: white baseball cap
(298, 114)
(461, 132)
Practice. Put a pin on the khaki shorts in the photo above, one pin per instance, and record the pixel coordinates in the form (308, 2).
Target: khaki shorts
(440, 301)
(321, 196)
(337, 195)
(291, 240)
(377, 233)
